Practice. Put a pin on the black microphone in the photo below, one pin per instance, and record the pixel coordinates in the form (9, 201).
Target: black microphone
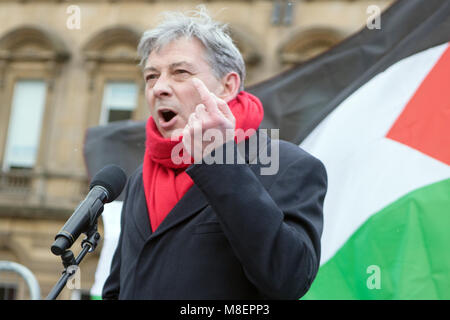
(105, 187)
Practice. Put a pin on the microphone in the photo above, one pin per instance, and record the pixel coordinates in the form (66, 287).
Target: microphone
(105, 187)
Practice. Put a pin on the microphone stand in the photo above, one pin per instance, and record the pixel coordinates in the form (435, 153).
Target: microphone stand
(68, 260)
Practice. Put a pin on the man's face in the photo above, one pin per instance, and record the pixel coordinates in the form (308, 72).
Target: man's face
(169, 91)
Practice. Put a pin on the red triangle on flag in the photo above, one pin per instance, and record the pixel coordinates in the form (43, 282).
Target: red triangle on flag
(424, 123)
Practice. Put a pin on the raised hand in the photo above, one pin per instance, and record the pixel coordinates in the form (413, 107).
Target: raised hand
(209, 126)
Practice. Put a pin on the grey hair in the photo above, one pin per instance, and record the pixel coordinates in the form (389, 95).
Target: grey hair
(221, 53)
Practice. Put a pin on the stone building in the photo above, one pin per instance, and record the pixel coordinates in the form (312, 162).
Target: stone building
(66, 66)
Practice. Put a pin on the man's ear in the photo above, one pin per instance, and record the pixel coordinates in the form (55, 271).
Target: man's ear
(230, 86)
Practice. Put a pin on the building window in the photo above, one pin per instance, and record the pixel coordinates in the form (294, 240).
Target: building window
(24, 129)
(8, 291)
(115, 80)
(119, 101)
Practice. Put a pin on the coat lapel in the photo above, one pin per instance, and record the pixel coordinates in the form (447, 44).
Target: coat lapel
(191, 203)
(140, 211)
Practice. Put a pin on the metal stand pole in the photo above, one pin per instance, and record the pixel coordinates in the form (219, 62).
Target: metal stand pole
(88, 245)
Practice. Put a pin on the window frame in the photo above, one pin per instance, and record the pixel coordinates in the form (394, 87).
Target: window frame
(102, 73)
(6, 168)
(16, 74)
(103, 119)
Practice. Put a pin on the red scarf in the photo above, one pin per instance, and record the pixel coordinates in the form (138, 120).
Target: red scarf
(165, 182)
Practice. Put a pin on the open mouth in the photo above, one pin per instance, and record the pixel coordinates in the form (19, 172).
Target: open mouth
(167, 117)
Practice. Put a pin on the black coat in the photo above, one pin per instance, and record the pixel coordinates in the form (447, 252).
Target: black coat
(236, 234)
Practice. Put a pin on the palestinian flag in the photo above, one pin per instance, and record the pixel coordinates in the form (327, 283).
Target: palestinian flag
(386, 148)
(387, 213)
(376, 110)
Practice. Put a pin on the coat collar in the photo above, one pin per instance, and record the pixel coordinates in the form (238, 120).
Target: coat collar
(191, 203)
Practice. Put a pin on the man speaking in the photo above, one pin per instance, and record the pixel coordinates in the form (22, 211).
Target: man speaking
(212, 226)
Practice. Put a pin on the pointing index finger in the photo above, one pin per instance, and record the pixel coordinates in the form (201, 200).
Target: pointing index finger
(205, 95)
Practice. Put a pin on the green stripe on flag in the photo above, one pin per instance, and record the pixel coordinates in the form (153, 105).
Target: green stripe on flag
(401, 252)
